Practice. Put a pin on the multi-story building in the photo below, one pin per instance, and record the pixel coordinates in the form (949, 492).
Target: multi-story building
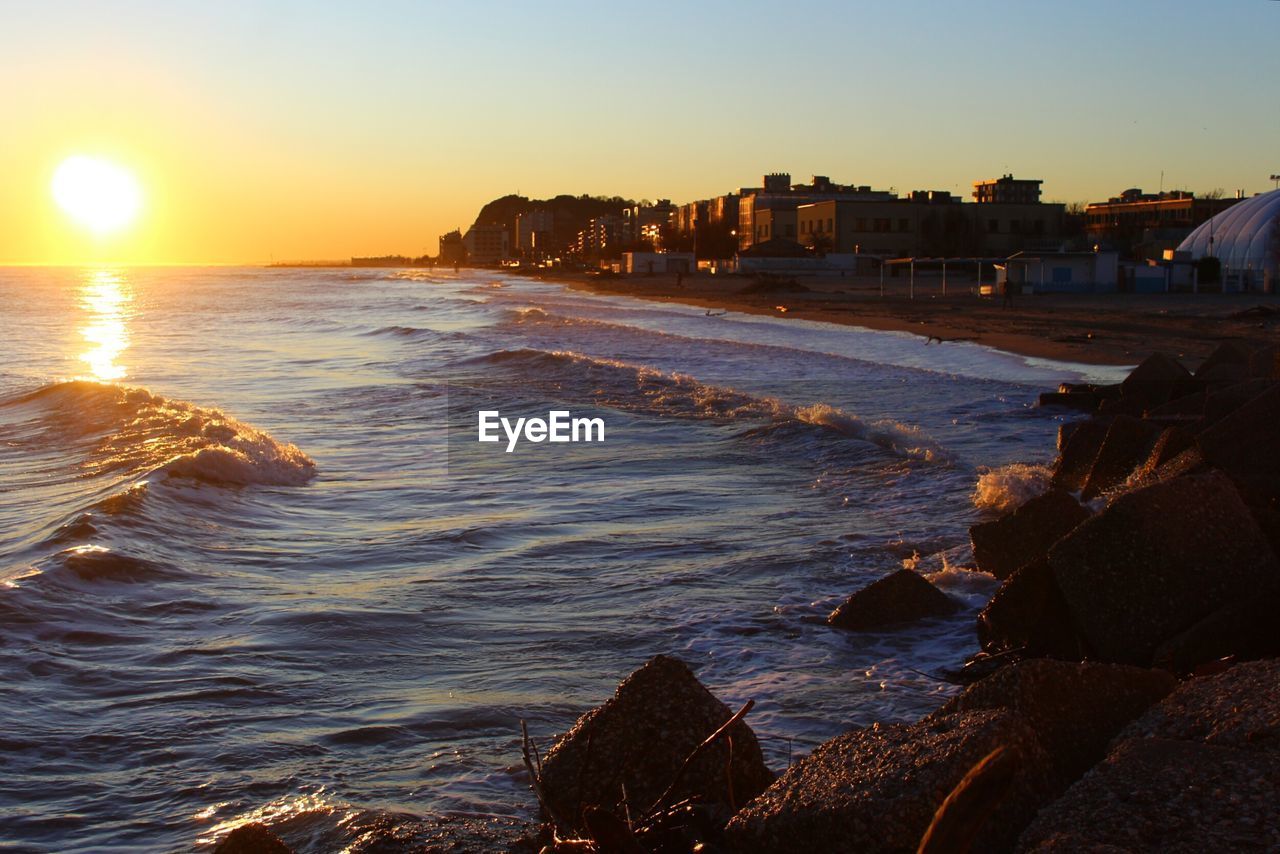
(487, 244)
(533, 233)
(777, 194)
(452, 249)
(645, 223)
(1145, 224)
(602, 237)
(1007, 190)
(932, 223)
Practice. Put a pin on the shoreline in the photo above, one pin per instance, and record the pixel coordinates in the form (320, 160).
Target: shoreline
(1102, 329)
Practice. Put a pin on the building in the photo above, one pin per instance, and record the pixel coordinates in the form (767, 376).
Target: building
(487, 244)
(1061, 272)
(601, 238)
(1146, 224)
(452, 248)
(777, 194)
(533, 233)
(651, 263)
(1244, 240)
(928, 223)
(644, 224)
(1007, 190)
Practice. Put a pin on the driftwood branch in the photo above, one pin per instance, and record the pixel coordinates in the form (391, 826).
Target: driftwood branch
(528, 750)
(707, 742)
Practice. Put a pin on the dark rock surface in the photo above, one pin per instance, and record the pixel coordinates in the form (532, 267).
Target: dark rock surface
(252, 838)
(1029, 613)
(1244, 443)
(1078, 453)
(876, 789)
(1074, 708)
(1167, 796)
(1126, 446)
(1157, 379)
(640, 737)
(902, 597)
(1239, 707)
(1158, 560)
(1247, 629)
(1002, 546)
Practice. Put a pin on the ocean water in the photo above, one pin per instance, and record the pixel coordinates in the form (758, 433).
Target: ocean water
(254, 565)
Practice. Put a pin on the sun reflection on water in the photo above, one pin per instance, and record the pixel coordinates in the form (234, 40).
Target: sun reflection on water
(105, 298)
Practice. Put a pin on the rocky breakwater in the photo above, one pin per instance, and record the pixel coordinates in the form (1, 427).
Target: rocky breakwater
(1131, 697)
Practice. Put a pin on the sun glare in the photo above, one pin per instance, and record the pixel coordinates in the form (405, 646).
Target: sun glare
(97, 194)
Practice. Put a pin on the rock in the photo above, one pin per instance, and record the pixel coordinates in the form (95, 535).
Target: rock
(640, 737)
(1174, 797)
(1190, 406)
(1171, 442)
(877, 789)
(1077, 455)
(1029, 614)
(1223, 401)
(1074, 708)
(1002, 546)
(252, 838)
(1125, 447)
(1244, 443)
(902, 597)
(1239, 708)
(1228, 355)
(1158, 560)
(1242, 630)
(1265, 362)
(1156, 380)
(1083, 401)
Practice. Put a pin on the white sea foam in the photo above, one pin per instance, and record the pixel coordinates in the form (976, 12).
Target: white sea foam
(1008, 487)
(146, 432)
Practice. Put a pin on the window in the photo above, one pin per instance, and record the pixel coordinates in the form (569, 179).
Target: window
(830, 224)
(904, 225)
(860, 224)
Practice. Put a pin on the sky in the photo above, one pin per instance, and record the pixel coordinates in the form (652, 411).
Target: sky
(270, 131)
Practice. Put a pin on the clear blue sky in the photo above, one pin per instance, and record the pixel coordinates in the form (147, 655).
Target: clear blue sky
(387, 123)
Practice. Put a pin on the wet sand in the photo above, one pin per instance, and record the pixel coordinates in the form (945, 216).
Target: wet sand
(1104, 329)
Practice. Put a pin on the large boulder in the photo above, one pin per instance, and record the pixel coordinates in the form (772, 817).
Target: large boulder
(1239, 707)
(901, 597)
(640, 738)
(877, 789)
(1229, 361)
(1157, 379)
(1173, 797)
(1243, 630)
(1078, 452)
(1002, 546)
(1074, 708)
(1029, 614)
(1158, 560)
(1126, 446)
(1197, 772)
(1244, 443)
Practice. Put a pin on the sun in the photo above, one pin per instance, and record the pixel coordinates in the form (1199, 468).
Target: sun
(96, 193)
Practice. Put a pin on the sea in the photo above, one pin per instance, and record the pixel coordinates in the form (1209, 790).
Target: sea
(256, 566)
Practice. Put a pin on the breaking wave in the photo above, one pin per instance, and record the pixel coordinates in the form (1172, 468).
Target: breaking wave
(629, 387)
(133, 431)
(1009, 487)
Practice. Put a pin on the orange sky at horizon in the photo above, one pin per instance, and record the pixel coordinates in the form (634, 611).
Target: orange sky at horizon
(283, 131)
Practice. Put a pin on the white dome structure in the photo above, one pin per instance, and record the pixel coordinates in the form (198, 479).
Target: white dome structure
(1245, 238)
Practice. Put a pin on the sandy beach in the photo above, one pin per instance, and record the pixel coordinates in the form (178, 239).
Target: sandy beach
(1104, 329)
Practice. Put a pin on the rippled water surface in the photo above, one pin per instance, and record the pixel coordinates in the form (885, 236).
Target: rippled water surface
(254, 565)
